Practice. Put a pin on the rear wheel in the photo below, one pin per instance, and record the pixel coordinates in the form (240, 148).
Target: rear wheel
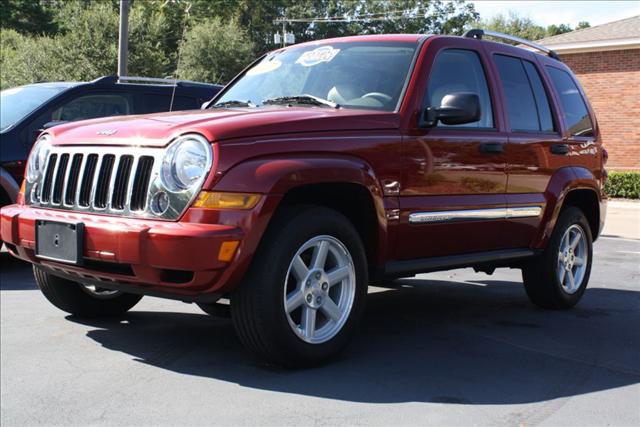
(83, 300)
(304, 294)
(559, 276)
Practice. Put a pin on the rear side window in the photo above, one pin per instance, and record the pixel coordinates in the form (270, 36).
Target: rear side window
(457, 70)
(160, 103)
(574, 109)
(93, 106)
(527, 102)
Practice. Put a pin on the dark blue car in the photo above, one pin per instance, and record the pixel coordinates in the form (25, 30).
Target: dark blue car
(26, 110)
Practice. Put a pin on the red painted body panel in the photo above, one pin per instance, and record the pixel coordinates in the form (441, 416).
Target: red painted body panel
(272, 150)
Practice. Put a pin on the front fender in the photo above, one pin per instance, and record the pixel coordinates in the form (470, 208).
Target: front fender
(274, 177)
(269, 175)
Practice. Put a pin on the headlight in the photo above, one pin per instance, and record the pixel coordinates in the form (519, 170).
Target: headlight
(186, 163)
(38, 158)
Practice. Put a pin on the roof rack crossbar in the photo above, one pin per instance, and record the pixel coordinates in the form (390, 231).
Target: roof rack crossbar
(167, 81)
(479, 33)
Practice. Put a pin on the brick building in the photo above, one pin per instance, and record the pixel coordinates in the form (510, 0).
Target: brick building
(606, 60)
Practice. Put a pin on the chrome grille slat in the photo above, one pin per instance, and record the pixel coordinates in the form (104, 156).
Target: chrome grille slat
(59, 179)
(86, 190)
(94, 182)
(112, 180)
(71, 181)
(119, 184)
(45, 189)
(134, 168)
(76, 197)
(100, 197)
(141, 180)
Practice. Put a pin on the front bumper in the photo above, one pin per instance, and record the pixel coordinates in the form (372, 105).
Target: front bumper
(171, 259)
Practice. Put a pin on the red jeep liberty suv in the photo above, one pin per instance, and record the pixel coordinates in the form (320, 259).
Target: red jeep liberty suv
(323, 167)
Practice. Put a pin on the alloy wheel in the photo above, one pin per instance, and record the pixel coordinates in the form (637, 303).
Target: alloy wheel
(319, 289)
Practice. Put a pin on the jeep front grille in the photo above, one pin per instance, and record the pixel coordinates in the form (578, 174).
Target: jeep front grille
(114, 180)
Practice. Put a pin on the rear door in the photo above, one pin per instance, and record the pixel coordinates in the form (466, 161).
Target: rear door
(452, 196)
(536, 148)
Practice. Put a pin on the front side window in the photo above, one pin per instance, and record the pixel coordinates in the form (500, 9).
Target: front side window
(457, 70)
(368, 75)
(526, 101)
(91, 107)
(574, 109)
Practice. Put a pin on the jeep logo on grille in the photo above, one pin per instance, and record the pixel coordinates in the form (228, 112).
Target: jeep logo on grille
(107, 132)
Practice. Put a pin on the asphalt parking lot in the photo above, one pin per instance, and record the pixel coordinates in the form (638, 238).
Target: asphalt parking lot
(453, 348)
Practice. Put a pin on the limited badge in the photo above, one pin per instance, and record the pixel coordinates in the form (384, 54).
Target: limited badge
(316, 56)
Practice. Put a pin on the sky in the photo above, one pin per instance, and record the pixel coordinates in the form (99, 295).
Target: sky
(561, 12)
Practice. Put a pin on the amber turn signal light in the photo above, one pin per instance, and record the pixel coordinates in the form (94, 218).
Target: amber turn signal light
(20, 197)
(227, 250)
(217, 200)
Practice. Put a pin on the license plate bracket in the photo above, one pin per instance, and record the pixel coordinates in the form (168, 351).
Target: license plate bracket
(59, 241)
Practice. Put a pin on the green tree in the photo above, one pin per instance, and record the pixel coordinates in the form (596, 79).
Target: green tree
(554, 30)
(514, 25)
(524, 27)
(86, 47)
(214, 51)
(27, 16)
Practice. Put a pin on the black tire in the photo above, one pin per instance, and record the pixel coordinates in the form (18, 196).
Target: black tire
(70, 296)
(257, 306)
(541, 275)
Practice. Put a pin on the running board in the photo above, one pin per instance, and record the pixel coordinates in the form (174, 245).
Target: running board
(425, 265)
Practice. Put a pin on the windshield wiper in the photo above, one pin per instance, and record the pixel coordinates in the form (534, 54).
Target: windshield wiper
(301, 100)
(233, 103)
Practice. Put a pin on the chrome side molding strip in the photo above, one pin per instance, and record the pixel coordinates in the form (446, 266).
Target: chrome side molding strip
(524, 212)
(474, 214)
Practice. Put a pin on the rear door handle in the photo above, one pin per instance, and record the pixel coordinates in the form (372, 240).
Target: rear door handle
(492, 147)
(561, 149)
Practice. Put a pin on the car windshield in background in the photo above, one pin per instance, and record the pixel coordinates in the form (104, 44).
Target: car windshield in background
(366, 75)
(18, 102)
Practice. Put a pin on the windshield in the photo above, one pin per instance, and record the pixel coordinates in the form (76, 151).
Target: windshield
(18, 102)
(367, 75)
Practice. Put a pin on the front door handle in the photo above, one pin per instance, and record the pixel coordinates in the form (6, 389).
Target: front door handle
(561, 149)
(492, 147)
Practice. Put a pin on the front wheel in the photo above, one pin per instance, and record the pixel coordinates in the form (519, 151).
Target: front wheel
(559, 276)
(83, 300)
(304, 294)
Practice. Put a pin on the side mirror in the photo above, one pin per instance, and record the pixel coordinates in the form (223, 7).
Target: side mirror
(52, 124)
(455, 109)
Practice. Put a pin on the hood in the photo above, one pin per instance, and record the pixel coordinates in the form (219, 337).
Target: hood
(157, 130)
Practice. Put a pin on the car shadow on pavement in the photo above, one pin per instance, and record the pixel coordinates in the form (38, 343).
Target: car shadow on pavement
(15, 274)
(420, 341)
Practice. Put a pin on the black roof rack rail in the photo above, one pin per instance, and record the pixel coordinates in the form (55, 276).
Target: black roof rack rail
(478, 33)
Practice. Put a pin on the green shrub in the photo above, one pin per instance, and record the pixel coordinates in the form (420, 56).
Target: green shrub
(623, 184)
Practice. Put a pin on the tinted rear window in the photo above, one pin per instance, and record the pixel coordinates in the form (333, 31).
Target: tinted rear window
(527, 103)
(574, 109)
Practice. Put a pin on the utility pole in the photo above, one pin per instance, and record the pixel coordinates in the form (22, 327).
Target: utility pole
(123, 41)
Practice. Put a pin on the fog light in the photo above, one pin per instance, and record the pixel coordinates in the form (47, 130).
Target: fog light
(159, 203)
(34, 196)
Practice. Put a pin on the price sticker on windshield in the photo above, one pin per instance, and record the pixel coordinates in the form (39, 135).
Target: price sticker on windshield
(316, 56)
(264, 67)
